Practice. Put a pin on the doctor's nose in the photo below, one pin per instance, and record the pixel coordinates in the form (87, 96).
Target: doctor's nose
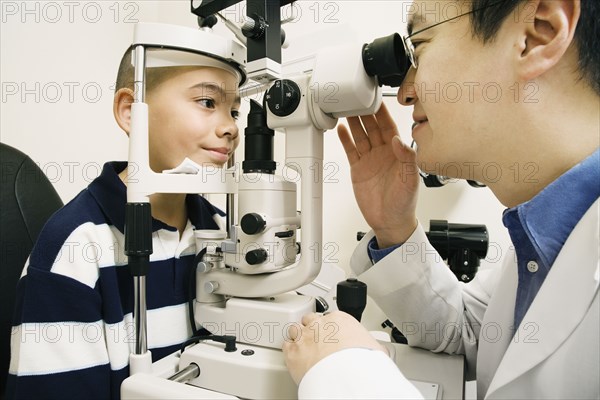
(407, 94)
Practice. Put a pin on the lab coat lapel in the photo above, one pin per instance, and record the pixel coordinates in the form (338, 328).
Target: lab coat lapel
(559, 306)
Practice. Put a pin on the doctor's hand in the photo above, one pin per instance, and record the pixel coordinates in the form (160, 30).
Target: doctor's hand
(384, 175)
(319, 336)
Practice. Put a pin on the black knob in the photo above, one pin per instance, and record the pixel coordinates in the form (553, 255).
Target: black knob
(284, 234)
(252, 224)
(254, 27)
(283, 97)
(351, 297)
(257, 256)
(207, 22)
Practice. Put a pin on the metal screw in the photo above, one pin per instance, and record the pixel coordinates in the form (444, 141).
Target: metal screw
(211, 287)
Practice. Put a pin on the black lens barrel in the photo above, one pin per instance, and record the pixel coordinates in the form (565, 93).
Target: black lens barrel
(258, 151)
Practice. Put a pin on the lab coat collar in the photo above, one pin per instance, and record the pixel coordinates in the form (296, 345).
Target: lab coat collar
(560, 305)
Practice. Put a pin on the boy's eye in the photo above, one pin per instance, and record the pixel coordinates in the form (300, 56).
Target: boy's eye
(208, 103)
(235, 114)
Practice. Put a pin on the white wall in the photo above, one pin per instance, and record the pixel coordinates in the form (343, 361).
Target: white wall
(59, 61)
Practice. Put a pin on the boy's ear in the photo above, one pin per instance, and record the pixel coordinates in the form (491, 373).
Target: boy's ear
(122, 108)
(549, 28)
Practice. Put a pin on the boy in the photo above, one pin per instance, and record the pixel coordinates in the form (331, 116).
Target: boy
(73, 329)
(528, 328)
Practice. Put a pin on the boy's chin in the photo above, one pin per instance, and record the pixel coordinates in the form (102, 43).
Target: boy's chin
(209, 162)
(213, 164)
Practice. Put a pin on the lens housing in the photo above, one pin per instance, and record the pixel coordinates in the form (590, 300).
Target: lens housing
(258, 145)
(385, 58)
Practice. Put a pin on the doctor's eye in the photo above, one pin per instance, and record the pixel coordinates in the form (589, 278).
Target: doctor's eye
(416, 45)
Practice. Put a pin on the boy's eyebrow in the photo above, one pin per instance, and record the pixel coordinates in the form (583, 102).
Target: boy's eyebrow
(213, 88)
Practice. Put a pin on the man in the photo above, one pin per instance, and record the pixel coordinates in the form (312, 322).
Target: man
(540, 129)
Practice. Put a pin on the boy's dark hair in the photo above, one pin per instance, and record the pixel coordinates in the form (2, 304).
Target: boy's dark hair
(487, 21)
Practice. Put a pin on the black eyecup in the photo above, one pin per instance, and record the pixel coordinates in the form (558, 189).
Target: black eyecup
(386, 59)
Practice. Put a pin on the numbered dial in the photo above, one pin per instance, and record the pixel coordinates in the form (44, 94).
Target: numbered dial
(283, 97)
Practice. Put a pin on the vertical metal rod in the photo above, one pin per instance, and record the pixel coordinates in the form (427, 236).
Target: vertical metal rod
(230, 218)
(139, 314)
(139, 282)
(139, 74)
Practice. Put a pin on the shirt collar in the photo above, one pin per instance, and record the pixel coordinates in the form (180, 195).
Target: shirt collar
(549, 218)
(111, 194)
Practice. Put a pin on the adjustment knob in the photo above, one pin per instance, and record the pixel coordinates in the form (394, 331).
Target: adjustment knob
(352, 297)
(211, 287)
(257, 256)
(252, 224)
(283, 97)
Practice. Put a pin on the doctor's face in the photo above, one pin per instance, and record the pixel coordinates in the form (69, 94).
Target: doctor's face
(460, 90)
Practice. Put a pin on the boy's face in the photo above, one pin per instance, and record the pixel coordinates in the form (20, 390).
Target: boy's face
(193, 114)
(460, 90)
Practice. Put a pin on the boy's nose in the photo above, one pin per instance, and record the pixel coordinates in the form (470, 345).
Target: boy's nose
(228, 128)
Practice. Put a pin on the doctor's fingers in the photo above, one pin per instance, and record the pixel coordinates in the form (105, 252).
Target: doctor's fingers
(310, 318)
(371, 125)
(361, 139)
(348, 144)
(386, 124)
(295, 331)
(376, 130)
(403, 152)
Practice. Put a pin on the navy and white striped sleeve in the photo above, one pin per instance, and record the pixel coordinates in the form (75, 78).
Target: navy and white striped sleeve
(58, 342)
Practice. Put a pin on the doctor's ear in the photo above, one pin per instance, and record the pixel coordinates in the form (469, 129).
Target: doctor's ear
(122, 108)
(549, 28)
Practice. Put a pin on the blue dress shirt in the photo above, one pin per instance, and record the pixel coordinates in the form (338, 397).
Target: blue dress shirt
(540, 227)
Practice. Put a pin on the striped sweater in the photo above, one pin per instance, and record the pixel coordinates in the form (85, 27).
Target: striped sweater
(73, 328)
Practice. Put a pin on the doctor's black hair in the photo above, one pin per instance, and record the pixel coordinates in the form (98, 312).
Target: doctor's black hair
(490, 14)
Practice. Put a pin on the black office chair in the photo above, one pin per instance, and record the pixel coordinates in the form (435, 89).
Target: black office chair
(27, 200)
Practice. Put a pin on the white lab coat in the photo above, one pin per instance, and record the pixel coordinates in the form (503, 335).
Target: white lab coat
(554, 354)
